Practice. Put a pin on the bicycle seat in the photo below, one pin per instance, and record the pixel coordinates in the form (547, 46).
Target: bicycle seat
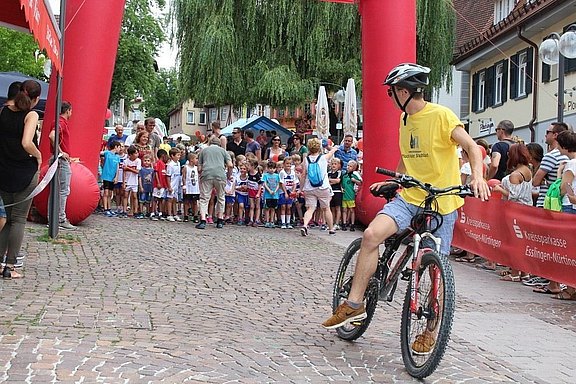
(388, 191)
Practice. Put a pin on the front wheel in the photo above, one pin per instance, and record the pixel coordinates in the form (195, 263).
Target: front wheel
(425, 329)
(342, 287)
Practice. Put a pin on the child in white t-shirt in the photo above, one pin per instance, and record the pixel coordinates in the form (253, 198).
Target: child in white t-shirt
(132, 166)
(173, 172)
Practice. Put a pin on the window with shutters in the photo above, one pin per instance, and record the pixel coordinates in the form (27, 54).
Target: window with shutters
(498, 79)
(481, 90)
(522, 72)
(521, 66)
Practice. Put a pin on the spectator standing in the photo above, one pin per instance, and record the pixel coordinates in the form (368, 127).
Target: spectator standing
(242, 192)
(335, 179)
(317, 195)
(254, 189)
(109, 174)
(262, 139)
(20, 161)
(173, 173)
(287, 192)
(275, 152)
(132, 137)
(145, 186)
(499, 151)
(252, 146)
(191, 186)
(345, 152)
(64, 169)
(216, 131)
(298, 145)
(143, 146)
(237, 144)
(160, 186)
(214, 166)
(132, 166)
(271, 183)
(351, 180)
(119, 136)
(154, 138)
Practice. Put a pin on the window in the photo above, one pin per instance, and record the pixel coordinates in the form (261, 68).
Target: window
(202, 118)
(521, 66)
(190, 117)
(213, 114)
(481, 90)
(502, 9)
(224, 113)
(522, 71)
(498, 84)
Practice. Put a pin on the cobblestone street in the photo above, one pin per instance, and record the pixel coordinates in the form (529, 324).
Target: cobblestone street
(136, 301)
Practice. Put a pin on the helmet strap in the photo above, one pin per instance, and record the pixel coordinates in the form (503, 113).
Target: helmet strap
(403, 106)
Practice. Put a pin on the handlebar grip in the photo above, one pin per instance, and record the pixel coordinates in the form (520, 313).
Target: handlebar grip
(386, 172)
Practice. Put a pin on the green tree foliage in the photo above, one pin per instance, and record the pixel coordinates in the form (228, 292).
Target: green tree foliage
(163, 96)
(17, 53)
(277, 51)
(140, 40)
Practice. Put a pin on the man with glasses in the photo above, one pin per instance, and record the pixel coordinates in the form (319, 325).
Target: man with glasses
(428, 137)
(139, 126)
(237, 144)
(499, 151)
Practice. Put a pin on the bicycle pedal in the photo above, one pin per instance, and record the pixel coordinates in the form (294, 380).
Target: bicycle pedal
(406, 274)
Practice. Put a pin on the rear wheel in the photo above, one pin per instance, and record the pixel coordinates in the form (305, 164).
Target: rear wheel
(425, 331)
(342, 287)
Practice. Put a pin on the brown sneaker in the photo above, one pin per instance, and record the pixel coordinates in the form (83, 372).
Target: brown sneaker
(343, 315)
(423, 343)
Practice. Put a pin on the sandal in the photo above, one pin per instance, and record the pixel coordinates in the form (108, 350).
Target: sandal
(565, 295)
(466, 259)
(510, 277)
(10, 273)
(504, 272)
(487, 266)
(546, 290)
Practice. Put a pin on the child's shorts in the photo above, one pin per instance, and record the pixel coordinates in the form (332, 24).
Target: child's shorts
(349, 204)
(271, 203)
(230, 199)
(336, 200)
(171, 195)
(159, 193)
(118, 185)
(191, 197)
(145, 197)
(131, 188)
(283, 200)
(2, 210)
(242, 199)
(109, 185)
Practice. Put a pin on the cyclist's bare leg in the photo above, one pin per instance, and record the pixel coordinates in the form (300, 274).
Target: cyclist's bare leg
(381, 228)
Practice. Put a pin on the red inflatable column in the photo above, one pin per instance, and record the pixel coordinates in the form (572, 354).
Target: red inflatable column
(91, 42)
(388, 39)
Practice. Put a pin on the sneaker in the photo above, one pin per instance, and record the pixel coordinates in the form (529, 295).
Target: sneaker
(185, 219)
(109, 214)
(220, 223)
(177, 218)
(171, 218)
(162, 217)
(343, 315)
(289, 226)
(331, 232)
(423, 343)
(336, 227)
(304, 231)
(240, 222)
(201, 225)
(153, 217)
(344, 227)
(66, 226)
(323, 227)
(209, 220)
(19, 263)
(534, 281)
(352, 229)
(283, 226)
(195, 220)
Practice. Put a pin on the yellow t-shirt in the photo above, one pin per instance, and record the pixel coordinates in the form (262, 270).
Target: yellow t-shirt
(429, 154)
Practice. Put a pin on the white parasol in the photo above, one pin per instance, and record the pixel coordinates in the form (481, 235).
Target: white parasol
(182, 136)
(350, 112)
(322, 115)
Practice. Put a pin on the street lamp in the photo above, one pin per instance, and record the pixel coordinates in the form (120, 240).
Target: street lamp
(552, 51)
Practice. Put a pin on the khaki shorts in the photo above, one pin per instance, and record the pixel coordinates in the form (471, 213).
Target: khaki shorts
(316, 195)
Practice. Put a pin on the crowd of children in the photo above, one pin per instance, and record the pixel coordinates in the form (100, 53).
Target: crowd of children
(258, 193)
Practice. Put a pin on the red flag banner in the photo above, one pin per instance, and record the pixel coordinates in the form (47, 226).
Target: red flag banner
(533, 240)
(43, 27)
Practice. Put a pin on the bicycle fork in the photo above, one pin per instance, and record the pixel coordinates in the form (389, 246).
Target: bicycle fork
(415, 280)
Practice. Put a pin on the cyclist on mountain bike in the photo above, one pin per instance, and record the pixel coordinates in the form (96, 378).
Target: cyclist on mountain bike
(429, 136)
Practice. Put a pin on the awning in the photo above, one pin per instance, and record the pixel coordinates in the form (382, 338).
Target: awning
(35, 16)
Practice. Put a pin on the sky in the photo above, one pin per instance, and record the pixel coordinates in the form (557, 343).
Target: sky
(166, 56)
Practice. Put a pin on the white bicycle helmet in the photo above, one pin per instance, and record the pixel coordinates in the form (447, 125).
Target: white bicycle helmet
(410, 76)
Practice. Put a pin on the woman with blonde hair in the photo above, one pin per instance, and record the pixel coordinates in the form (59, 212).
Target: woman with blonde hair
(317, 195)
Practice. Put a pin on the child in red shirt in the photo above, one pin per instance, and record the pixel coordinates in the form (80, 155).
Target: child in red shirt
(160, 183)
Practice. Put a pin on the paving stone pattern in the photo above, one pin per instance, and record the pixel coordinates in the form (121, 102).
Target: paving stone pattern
(135, 301)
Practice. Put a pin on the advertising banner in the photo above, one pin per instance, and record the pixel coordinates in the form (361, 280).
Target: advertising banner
(533, 240)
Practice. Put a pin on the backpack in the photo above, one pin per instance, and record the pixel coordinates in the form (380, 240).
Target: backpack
(553, 199)
(314, 172)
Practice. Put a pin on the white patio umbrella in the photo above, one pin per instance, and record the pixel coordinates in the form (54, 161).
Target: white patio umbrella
(322, 115)
(350, 117)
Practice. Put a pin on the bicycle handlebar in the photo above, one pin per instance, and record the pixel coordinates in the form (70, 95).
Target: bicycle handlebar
(409, 182)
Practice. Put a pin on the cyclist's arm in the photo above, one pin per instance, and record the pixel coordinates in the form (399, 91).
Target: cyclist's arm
(477, 183)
